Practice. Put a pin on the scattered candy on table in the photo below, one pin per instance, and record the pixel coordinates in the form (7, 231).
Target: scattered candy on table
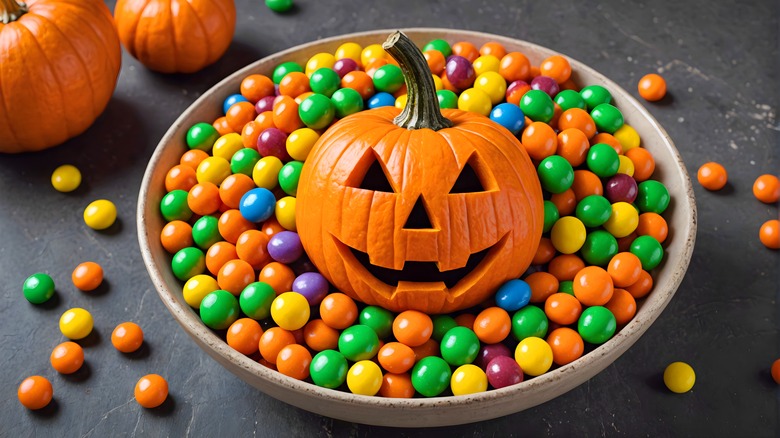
(76, 323)
(767, 189)
(151, 391)
(66, 178)
(127, 337)
(652, 87)
(679, 377)
(67, 357)
(769, 234)
(100, 214)
(35, 392)
(38, 288)
(87, 276)
(712, 176)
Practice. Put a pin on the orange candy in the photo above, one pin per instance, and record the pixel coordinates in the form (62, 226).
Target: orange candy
(654, 225)
(151, 391)
(271, 227)
(396, 386)
(466, 50)
(127, 337)
(219, 254)
(67, 357)
(775, 371)
(642, 286)
(573, 146)
(244, 335)
(493, 48)
(556, 67)
(644, 164)
(712, 176)
(466, 320)
(233, 188)
(235, 275)
(256, 87)
(429, 348)
(492, 325)
(767, 189)
(606, 138)
(566, 344)
(294, 84)
(338, 310)
(652, 87)
(278, 275)
(360, 82)
(203, 198)
(624, 268)
(293, 361)
(272, 342)
(285, 115)
(412, 328)
(543, 284)
(565, 266)
(180, 177)
(576, 118)
(192, 159)
(562, 308)
(239, 114)
(232, 224)
(515, 66)
(252, 131)
(396, 357)
(586, 183)
(435, 61)
(769, 234)
(252, 247)
(539, 140)
(87, 276)
(319, 336)
(593, 286)
(565, 202)
(222, 126)
(622, 305)
(544, 253)
(175, 236)
(35, 392)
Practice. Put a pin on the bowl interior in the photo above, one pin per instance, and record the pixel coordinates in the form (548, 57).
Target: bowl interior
(437, 411)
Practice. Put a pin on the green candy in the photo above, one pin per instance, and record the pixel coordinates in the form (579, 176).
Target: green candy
(173, 206)
(244, 161)
(595, 95)
(648, 250)
(219, 309)
(596, 325)
(317, 111)
(568, 99)
(205, 232)
(441, 325)
(347, 101)
(607, 118)
(279, 5)
(459, 346)
(593, 210)
(388, 78)
(431, 376)
(566, 287)
(256, 299)
(359, 342)
(202, 136)
(187, 263)
(599, 248)
(652, 196)
(289, 177)
(555, 174)
(530, 321)
(440, 45)
(38, 288)
(282, 69)
(447, 99)
(537, 106)
(551, 215)
(324, 81)
(328, 369)
(379, 319)
(603, 160)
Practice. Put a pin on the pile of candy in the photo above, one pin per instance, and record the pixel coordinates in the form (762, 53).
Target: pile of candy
(230, 212)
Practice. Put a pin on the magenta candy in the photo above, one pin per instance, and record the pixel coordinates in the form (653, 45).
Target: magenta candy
(344, 66)
(621, 188)
(514, 85)
(490, 352)
(503, 371)
(265, 104)
(460, 72)
(272, 142)
(285, 247)
(311, 285)
(546, 84)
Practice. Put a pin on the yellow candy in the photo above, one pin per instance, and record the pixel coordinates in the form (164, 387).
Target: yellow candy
(300, 142)
(349, 50)
(364, 378)
(76, 323)
(400, 101)
(285, 212)
(437, 83)
(623, 220)
(372, 52)
(66, 178)
(628, 137)
(679, 377)
(290, 311)
(266, 172)
(626, 165)
(568, 235)
(197, 287)
(318, 61)
(227, 145)
(486, 63)
(213, 170)
(468, 379)
(100, 214)
(493, 84)
(475, 100)
(534, 356)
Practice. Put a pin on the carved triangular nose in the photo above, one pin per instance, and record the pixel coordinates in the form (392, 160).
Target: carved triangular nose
(418, 218)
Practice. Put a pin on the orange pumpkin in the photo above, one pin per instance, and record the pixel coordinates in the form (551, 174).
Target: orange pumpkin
(426, 210)
(176, 36)
(59, 62)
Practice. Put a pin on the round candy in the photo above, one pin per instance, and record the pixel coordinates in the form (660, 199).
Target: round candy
(603, 160)
(257, 205)
(289, 176)
(490, 351)
(203, 135)
(621, 188)
(285, 212)
(468, 379)
(187, 263)
(67, 357)
(272, 142)
(100, 214)
(256, 299)
(510, 116)
(313, 286)
(265, 174)
(441, 325)
(546, 84)
(593, 210)
(503, 371)
(35, 392)
(652, 196)
(388, 78)
(317, 111)
(38, 288)
(679, 377)
(412, 328)
(593, 286)
(197, 287)
(379, 319)
(431, 376)
(599, 248)
(493, 85)
(628, 137)
(769, 234)
(607, 118)
(382, 99)
(87, 276)
(513, 295)
(364, 378)
(475, 100)
(343, 66)
(492, 325)
(76, 323)
(151, 391)
(66, 178)
(324, 81)
(440, 45)
(551, 215)
(232, 100)
(328, 369)
(568, 235)
(652, 87)
(282, 69)
(568, 99)
(649, 251)
(537, 106)
(767, 188)
(300, 142)
(594, 95)
(290, 311)
(712, 176)
(623, 220)
(219, 309)
(775, 371)
(358, 342)
(447, 99)
(173, 206)
(213, 170)
(460, 72)
(127, 337)
(348, 101)
(556, 174)
(205, 232)
(285, 247)
(530, 321)
(460, 345)
(534, 356)
(596, 325)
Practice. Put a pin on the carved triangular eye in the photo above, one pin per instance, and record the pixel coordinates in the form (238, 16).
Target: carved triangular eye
(374, 177)
(468, 181)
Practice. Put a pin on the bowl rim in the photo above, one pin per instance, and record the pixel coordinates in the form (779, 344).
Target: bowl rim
(276, 384)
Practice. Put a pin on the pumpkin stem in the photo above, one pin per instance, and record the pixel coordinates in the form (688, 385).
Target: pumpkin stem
(11, 10)
(422, 105)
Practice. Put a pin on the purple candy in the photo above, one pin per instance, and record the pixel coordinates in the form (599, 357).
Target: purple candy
(285, 247)
(460, 72)
(621, 188)
(490, 352)
(546, 84)
(311, 285)
(276, 90)
(265, 104)
(514, 85)
(272, 142)
(503, 371)
(344, 66)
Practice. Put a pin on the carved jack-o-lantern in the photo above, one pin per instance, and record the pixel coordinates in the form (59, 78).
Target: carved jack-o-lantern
(429, 211)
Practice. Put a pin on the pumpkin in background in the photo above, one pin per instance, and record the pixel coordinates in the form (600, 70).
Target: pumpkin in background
(426, 210)
(176, 36)
(59, 62)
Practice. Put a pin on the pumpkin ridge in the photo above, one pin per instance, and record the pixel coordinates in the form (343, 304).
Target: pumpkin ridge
(172, 30)
(4, 95)
(226, 18)
(141, 39)
(132, 27)
(206, 40)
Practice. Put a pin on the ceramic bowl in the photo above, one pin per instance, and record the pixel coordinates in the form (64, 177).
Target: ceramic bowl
(419, 412)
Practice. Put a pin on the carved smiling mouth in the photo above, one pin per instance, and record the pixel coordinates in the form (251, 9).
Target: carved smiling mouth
(422, 272)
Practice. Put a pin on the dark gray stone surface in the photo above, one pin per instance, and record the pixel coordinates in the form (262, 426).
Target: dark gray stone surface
(721, 62)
